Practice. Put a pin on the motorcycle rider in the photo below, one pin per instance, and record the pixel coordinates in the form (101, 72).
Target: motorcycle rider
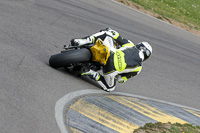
(123, 63)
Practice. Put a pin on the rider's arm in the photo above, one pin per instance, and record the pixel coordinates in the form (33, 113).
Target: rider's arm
(125, 76)
(122, 78)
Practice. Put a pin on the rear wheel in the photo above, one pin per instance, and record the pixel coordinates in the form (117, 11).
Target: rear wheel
(66, 58)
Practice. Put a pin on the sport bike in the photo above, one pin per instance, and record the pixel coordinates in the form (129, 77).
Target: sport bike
(78, 59)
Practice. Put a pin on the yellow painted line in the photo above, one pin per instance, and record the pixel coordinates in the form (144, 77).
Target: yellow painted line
(103, 117)
(193, 112)
(75, 130)
(147, 110)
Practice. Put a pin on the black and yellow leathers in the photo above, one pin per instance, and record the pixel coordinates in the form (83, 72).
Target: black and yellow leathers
(122, 64)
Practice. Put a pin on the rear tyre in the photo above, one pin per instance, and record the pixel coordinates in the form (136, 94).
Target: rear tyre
(66, 58)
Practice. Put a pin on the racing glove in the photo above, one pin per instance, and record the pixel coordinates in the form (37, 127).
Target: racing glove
(121, 79)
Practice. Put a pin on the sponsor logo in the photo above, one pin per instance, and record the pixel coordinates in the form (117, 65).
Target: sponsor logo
(119, 60)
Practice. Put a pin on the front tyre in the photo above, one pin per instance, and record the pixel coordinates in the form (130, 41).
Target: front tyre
(66, 58)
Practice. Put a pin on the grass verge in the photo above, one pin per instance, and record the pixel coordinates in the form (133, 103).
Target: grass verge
(182, 13)
(168, 128)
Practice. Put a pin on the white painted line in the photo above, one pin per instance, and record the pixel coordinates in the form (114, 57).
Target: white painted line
(60, 104)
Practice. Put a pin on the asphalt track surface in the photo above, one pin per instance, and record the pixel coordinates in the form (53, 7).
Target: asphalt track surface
(32, 30)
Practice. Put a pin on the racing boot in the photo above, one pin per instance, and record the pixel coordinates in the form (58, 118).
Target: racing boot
(83, 41)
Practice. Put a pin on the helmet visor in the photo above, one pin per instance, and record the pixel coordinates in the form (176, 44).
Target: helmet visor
(145, 51)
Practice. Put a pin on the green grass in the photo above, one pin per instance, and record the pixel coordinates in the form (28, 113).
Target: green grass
(184, 11)
(168, 128)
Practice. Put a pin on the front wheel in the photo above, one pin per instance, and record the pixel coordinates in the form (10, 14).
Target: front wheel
(66, 58)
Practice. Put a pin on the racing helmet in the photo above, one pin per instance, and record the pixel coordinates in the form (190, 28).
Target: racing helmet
(146, 48)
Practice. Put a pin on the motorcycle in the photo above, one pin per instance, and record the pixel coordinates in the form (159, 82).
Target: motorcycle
(79, 59)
